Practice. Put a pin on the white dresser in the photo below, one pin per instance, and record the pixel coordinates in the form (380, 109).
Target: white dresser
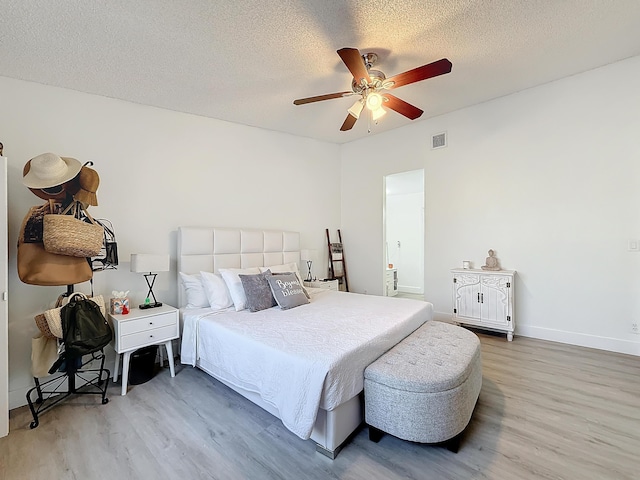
(484, 298)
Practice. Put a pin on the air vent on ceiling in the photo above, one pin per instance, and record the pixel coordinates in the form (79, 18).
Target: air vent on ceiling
(439, 140)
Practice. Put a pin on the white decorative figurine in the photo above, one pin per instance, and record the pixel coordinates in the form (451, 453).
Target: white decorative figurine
(491, 263)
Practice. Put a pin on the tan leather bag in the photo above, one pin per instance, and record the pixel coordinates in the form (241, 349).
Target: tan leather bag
(36, 266)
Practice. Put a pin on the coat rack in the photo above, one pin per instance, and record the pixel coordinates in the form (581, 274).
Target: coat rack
(53, 391)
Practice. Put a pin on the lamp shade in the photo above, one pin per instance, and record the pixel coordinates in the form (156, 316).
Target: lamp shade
(374, 101)
(378, 113)
(308, 255)
(147, 263)
(356, 108)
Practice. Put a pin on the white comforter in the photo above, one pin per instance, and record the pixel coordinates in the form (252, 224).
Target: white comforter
(305, 358)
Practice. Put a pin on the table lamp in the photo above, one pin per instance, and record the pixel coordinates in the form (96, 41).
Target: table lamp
(308, 256)
(148, 264)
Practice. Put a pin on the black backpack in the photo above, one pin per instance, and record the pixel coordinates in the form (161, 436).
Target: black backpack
(84, 328)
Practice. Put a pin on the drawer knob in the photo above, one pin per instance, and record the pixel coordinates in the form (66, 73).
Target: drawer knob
(150, 323)
(150, 336)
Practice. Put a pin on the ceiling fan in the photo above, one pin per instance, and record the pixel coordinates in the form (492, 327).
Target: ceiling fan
(370, 83)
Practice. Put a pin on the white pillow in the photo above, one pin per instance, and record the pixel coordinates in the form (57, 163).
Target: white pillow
(287, 267)
(216, 291)
(194, 290)
(234, 284)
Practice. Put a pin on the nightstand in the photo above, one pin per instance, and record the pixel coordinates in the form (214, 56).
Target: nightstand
(141, 328)
(326, 284)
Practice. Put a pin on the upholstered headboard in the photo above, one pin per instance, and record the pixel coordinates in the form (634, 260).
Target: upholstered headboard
(208, 248)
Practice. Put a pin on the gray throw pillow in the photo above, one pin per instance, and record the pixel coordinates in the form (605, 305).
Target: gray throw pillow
(289, 273)
(287, 290)
(258, 292)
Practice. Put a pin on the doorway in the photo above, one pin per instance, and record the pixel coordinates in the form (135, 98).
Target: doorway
(404, 233)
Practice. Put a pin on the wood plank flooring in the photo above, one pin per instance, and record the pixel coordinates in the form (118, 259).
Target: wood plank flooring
(546, 411)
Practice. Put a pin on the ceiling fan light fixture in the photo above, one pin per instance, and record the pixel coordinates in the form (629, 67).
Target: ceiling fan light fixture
(378, 113)
(356, 108)
(374, 101)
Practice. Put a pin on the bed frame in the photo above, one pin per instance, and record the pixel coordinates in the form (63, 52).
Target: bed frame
(209, 249)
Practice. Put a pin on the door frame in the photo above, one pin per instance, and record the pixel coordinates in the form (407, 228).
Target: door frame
(4, 314)
(385, 217)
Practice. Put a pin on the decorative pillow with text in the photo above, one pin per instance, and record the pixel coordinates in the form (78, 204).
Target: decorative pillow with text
(287, 290)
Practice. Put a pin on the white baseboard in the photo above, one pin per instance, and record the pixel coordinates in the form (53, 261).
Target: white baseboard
(580, 339)
(572, 338)
(409, 289)
(18, 398)
(442, 317)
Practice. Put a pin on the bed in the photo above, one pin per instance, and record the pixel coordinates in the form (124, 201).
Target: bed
(304, 365)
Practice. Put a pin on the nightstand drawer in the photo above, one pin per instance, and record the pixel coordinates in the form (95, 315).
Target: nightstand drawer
(147, 323)
(326, 285)
(148, 337)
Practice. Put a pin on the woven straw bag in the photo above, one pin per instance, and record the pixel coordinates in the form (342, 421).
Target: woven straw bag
(67, 235)
(43, 326)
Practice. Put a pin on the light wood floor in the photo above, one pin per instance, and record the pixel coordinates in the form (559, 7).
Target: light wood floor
(546, 411)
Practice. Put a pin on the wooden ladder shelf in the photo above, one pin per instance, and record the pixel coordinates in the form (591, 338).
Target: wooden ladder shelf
(337, 264)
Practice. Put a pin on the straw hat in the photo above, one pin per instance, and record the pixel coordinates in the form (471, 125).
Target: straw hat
(49, 170)
(58, 192)
(88, 181)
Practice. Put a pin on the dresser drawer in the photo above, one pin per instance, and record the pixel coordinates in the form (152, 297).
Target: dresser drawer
(148, 337)
(147, 323)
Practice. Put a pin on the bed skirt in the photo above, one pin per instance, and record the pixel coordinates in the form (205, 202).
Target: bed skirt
(332, 428)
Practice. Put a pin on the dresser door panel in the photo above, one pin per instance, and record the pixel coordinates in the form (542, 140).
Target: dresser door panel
(467, 296)
(494, 300)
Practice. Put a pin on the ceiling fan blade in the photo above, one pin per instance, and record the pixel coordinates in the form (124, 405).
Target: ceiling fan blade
(348, 124)
(424, 72)
(402, 107)
(354, 62)
(319, 98)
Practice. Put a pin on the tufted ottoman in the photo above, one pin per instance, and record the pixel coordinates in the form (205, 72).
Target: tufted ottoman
(425, 388)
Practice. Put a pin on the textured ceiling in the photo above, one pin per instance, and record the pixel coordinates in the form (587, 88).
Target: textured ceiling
(246, 61)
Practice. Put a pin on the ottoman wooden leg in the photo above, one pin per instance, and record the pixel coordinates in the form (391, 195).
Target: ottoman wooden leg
(453, 444)
(375, 434)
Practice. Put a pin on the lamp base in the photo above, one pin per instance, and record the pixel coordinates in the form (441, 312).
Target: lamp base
(149, 305)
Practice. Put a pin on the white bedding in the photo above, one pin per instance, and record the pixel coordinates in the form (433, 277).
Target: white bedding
(302, 359)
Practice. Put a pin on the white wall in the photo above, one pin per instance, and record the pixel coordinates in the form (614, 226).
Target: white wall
(548, 177)
(158, 170)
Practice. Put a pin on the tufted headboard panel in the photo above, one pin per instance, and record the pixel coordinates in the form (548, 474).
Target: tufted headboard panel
(209, 249)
